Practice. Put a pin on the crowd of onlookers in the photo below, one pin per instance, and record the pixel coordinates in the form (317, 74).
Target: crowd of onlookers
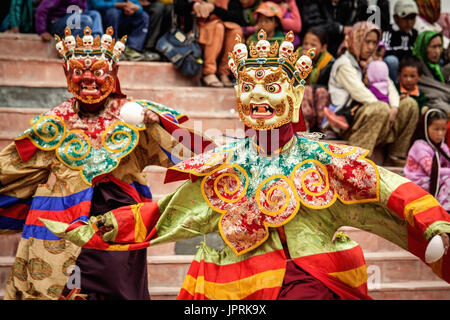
(378, 79)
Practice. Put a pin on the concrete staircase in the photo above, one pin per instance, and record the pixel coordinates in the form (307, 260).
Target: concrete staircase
(31, 81)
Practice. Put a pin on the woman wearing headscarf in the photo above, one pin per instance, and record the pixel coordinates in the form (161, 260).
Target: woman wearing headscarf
(375, 123)
(429, 14)
(316, 96)
(435, 80)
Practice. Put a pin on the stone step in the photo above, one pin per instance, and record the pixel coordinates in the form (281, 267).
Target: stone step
(26, 46)
(419, 290)
(416, 290)
(46, 72)
(370, 242)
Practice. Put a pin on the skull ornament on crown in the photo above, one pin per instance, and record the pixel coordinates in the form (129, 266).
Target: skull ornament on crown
(119, 47)
(304, 64)
(240, 51)
(286, 47)
(90, 65)
(107, 41)
(269, 87)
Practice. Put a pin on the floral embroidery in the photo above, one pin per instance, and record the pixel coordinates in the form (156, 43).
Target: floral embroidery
(254, 192)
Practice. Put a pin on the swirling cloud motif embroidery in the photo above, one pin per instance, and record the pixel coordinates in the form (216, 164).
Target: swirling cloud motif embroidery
(246, 217)
(74, 149)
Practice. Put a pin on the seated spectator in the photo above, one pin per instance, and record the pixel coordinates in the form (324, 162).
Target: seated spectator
(339, 17)
(268, 18)
(410, 72)
(160, 13)
(52, 17)
(316, 96)
(376, 78)
(399, 38)
(219, 24)
(20, 17)
(126, 18)
(435, 80)
(428, 162)
(375, 123)
(429, 13)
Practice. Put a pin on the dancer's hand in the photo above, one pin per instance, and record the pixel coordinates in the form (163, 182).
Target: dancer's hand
(150, 117)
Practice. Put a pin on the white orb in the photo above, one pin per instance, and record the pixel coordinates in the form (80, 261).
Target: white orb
(132, 113)
(435, 249)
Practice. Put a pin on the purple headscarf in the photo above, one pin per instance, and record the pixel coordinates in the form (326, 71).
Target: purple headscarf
(378, 75)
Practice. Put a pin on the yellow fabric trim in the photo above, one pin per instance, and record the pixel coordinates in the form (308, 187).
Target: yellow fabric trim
(206, 173)
(269, 192)
(140, 231)
(417, 206)
(354, 277)
(235, 290)
(238, 168)
(119, 247)
(26, 135)
(337, 155)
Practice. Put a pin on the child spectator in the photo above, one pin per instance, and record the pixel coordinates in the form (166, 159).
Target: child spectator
(408, 78)
(268, 18)
(291, 20)
(52, 17)
(316, 96)
(20, 17)
(376, 78)
(249, 7)
(160, 15)
(428, 163)
(127, 18)
(399, 38)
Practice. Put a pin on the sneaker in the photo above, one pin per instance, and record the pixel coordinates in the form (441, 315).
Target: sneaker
(152, 56)
(211, 80)
(133, 55)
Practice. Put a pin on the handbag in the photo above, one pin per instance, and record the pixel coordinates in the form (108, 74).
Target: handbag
(182, 49)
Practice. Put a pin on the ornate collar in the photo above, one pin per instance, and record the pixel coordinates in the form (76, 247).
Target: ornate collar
(254, 192)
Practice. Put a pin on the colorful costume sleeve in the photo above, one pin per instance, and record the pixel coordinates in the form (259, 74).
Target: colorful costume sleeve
(178, 216)
(406, 215)
(18, 183)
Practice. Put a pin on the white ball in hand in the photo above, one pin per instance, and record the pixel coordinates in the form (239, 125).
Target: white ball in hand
(132, 113)
(435, 249)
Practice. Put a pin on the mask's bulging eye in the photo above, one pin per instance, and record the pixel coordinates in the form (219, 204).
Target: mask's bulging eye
(78, 72)
(273, 88)
(98, 73)
(246, 87)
